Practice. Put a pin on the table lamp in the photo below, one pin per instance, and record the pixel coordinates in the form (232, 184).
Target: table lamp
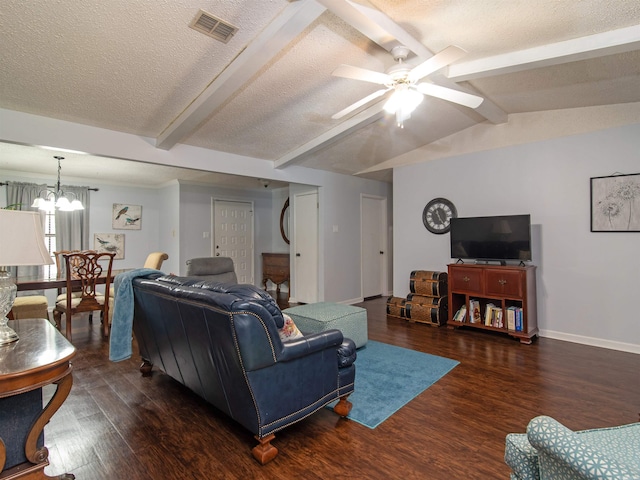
(21, 243)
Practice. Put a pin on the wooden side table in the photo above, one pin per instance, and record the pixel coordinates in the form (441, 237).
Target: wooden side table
(40, 357)
(275, 267)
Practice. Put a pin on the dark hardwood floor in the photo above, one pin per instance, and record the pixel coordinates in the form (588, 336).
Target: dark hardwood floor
(117, 424)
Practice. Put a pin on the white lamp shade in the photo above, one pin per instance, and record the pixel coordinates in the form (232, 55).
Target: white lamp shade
(77, 205)
(403, 98)
(63, 203)
(22, 239)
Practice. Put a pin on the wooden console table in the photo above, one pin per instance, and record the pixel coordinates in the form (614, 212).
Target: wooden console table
(40, 357)
(275, 267)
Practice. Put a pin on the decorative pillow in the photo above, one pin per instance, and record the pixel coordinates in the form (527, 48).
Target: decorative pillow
(289, 331)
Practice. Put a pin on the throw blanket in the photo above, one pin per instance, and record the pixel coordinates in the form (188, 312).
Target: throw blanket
(122, 319)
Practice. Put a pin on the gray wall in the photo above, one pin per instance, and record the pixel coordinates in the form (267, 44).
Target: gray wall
(195, 208)
(587, 282)
(339, 196)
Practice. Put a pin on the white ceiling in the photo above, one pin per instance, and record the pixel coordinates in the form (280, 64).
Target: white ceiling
(135, 66)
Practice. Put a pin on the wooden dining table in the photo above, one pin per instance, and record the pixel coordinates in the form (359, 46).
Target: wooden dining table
(42, 283)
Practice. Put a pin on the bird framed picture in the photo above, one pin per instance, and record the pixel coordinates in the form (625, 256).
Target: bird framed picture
(110, 243)
(126, 217)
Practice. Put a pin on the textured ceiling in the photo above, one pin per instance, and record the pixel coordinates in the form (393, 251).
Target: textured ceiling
(135, 66)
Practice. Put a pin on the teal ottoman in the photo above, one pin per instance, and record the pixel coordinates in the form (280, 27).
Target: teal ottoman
(318, 317)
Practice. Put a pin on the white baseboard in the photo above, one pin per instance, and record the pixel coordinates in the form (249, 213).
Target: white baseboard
(594, 342)
(352, 301)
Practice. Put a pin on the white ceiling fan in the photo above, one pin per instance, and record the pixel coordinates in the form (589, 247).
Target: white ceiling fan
(403, 80)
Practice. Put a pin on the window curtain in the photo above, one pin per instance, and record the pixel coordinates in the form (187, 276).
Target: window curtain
(22, 196)
(72, 228)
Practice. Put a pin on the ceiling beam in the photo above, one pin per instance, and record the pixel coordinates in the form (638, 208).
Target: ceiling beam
(358, 121)
(592, 46)
(381, 29)
(296, 17)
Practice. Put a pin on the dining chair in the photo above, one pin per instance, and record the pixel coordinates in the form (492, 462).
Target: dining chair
(60, 273)
(29, 306)
(155, 259)
(85, 269)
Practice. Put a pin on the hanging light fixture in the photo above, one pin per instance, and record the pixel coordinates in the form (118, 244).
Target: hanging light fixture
(403, 102)
(63, 201)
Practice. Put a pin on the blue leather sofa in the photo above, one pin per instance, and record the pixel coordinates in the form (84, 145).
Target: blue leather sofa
(222, 341)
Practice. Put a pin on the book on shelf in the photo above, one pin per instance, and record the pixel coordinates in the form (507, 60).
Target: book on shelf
(518, 315)
(460, 314)
(489, 314)
(474, 311)
(511, 318)
(498, 322)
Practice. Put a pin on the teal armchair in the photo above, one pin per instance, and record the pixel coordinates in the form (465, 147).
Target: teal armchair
(551, 451)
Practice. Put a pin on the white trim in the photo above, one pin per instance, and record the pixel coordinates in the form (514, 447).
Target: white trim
(594, 342)
(351, 301)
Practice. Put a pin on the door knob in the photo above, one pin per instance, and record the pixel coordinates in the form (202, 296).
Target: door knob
(381, 252)
(297, 254)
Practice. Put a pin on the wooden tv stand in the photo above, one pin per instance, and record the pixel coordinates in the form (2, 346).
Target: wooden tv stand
(507, 287)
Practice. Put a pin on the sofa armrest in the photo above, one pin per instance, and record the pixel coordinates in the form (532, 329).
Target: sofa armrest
(309, 344)
(563, 454)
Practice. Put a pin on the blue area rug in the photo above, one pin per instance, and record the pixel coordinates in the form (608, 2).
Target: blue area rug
(388, 377)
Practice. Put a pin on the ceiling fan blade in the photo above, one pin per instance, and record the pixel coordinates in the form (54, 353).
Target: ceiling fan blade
(360, 103)
(455, 96)
(357, 73)
(435, 63)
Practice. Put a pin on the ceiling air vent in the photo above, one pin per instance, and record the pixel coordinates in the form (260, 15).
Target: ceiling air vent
(213, 26)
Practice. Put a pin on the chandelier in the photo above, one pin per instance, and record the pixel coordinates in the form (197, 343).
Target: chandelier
(63, 201)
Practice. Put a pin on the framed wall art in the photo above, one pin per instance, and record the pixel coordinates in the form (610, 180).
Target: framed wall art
(109, 242)
(126, 217)
(615, 203)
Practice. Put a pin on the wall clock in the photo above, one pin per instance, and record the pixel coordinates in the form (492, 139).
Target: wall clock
(437, 215)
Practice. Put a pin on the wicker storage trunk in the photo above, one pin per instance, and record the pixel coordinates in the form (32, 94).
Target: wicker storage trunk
(427, 302)
(425, 309)
(426, 282)
(395, 306)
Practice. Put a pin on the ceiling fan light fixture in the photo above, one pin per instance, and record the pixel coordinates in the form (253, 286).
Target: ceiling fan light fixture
(403, 102)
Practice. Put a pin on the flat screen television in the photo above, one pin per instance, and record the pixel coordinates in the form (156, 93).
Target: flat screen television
(506, 237)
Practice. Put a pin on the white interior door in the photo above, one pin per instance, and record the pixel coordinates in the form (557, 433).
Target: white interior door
(305, 255)
(374, 245)
(233, 236)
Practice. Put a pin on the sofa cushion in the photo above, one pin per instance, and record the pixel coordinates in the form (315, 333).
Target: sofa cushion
(240, 292)
(289, 331)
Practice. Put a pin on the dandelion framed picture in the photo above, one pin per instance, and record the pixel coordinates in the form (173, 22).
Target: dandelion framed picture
(615, 203)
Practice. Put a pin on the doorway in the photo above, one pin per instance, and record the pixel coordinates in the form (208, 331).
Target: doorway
(233, 236)
(373, 239)
(305, 247)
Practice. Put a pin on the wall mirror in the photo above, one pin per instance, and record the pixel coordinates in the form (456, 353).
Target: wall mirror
(284, 222)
